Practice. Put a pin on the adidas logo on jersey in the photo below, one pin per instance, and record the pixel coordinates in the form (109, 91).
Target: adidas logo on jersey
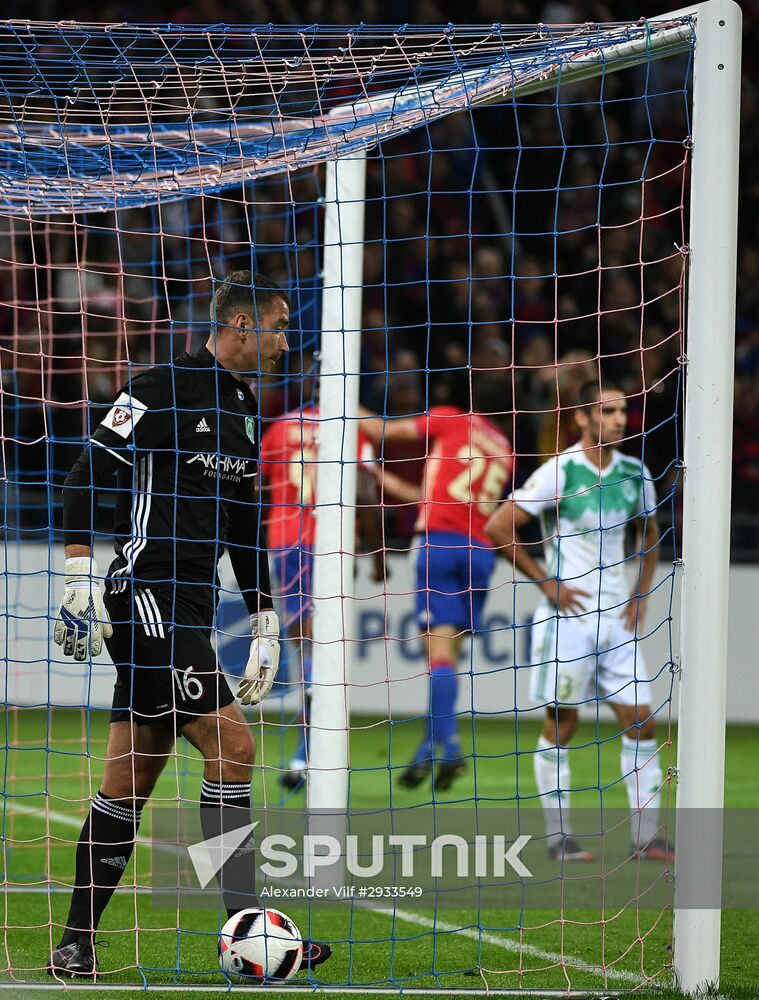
(120, 862)
(202, 427)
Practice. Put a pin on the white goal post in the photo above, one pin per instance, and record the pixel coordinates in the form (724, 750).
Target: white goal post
(710, 350)
(708, 429)
(332, 587)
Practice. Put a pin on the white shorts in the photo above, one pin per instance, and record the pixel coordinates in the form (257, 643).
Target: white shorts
(575, 660)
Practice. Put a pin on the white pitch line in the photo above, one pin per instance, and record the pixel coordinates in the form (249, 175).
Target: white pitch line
(53, 888)
(567, 961)
(56, 817)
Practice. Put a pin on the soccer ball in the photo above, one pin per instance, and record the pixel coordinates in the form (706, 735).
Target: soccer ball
(257, 945)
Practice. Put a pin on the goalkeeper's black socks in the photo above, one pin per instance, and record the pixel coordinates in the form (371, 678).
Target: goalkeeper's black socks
(102, 855)
(225, 810)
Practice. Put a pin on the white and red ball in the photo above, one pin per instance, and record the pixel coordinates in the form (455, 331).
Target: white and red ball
(257, 945)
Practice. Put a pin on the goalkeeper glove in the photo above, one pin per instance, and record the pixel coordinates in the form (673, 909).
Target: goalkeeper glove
(263, 658)
(82, 622)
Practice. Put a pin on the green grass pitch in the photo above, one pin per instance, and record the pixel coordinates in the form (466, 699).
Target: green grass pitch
(61, 753)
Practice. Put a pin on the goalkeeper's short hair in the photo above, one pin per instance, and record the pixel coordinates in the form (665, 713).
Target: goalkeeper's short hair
(244, 291)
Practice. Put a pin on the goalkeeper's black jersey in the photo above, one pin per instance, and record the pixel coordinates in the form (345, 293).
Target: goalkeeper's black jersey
(183, 440)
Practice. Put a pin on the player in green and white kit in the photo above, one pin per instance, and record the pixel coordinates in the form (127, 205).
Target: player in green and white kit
(586, 631)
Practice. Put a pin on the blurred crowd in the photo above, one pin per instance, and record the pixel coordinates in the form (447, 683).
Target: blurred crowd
(522, 241)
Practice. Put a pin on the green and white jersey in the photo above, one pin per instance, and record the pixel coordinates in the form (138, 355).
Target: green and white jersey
(583, 514)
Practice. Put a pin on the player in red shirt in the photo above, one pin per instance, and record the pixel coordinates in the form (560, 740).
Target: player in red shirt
(289, 455)
(468, 468)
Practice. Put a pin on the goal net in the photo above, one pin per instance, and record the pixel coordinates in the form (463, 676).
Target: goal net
(482, 235)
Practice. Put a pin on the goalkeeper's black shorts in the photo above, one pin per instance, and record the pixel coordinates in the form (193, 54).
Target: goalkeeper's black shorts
(167, 669)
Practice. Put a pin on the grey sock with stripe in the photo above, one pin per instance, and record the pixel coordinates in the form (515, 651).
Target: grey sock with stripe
(225, 811)
(642, 772)
(102, 855)
(553, 780)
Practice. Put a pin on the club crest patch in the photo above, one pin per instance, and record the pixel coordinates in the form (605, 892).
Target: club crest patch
(120, 417)
(124, 415)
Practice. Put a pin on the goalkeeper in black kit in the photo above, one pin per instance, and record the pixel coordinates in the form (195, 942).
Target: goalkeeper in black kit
(182, 441)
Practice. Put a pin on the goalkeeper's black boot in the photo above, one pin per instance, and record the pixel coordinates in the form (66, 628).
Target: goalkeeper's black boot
(314, 953)
(448, 771)
(75, 959)
(415, 774)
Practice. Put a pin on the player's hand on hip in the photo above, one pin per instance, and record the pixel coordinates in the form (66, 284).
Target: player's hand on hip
(82, 621)
(263, 658)
(566, 599)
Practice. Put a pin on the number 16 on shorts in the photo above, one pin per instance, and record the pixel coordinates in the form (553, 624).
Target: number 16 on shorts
(189, 687)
